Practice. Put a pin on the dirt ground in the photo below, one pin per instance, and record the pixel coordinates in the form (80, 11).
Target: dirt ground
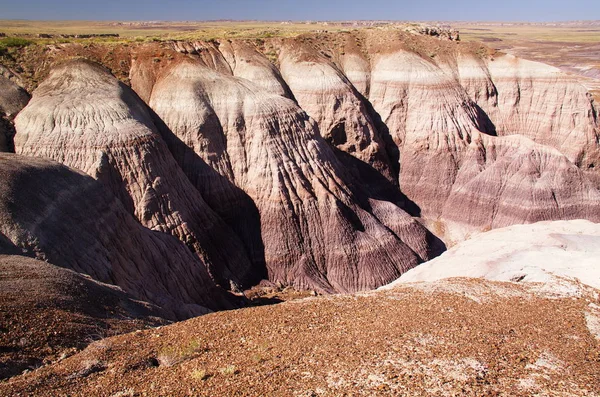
(456, 338)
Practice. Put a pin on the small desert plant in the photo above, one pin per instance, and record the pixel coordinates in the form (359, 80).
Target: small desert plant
(200, 374)
(169, 357)
(486, 228)
(228, 370)
(125, 393)
(439, 228)
(88, 367)
(272, 57)
(173, 355)
(194, 346)
(259, 358)
(13, 42)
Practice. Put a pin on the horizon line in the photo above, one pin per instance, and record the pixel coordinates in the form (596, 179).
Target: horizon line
(296, 20)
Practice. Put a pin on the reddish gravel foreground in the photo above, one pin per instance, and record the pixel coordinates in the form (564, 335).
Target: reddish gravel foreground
(47, 312)
(450, 338)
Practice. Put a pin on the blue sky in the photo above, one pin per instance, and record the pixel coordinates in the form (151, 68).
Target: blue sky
(498, 10)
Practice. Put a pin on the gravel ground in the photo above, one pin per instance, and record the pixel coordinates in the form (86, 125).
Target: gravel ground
(460, 337)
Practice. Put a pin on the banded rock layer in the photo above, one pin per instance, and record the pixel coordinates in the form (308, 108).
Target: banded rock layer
(70, 220)
(326, 94)
(466, 139)
(13, 98)
(249, 63)
(83, 117)
(455, 169)
(535, 100)
(319, 228)
(512, 180)
(442, 111)
(447, 150)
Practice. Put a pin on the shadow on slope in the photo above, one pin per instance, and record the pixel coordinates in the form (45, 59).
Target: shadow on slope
(49, 313)
(70, 220)
(241, 213)
(368, 184)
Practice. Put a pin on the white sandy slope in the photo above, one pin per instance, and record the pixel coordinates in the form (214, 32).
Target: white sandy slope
(539, 252)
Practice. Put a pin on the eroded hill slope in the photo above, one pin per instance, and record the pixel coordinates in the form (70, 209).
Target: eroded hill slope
(67, 218)
(310, 156)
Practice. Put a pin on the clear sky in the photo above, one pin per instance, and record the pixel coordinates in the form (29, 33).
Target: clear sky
(498, 10)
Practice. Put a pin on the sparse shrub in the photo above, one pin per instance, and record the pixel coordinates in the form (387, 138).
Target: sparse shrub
(168, 357)
(200, 374)
(171, 355)
(486, 228)
(258, 358)
(13, 42)
(482, 52)
(438, 228)
(229, 370)
(125, 393)
(272, 57)
(88, 367)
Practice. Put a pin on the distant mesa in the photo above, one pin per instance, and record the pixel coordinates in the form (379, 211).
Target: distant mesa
(75, 36)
